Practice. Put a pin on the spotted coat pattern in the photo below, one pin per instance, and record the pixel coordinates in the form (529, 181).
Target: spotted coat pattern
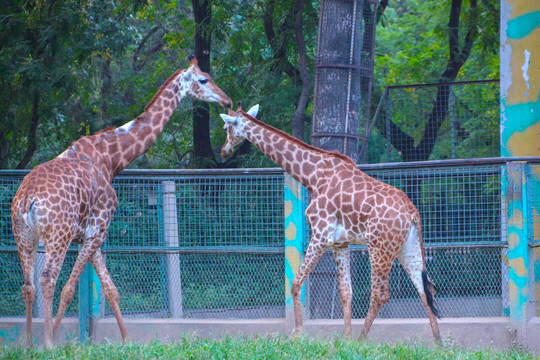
(347, 207)
(71, 198)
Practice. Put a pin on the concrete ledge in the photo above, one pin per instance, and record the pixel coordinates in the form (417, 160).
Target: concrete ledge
(13, 330)
(167, 330)
(472, 333)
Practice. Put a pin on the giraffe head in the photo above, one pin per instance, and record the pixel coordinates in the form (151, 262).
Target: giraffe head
(200, 86)
(234, 126)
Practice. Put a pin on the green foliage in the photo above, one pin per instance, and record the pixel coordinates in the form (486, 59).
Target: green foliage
(95, 64)
(412, 42)
(276, 347)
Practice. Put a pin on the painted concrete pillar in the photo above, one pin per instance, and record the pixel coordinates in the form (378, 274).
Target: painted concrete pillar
(520, 136)
(89, 303)
(518, 248)
(294, 235)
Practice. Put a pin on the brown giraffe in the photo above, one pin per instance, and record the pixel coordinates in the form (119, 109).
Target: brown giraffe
(347, 207)
(71, 198)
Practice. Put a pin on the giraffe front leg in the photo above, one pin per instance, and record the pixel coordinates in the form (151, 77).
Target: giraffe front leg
(313, 254)
(87, 251)
(381, 264)
(343, 263)
(111, 293)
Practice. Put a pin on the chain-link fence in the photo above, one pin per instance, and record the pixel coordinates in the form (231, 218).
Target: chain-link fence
(210, 244)
(435, 122)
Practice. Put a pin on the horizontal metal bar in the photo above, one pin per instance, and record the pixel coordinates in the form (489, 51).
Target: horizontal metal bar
(344, 66)
(341, 135)
(279, 171)
(175, 172)
(257, 249)
(198, 250)
(439, 84)
(448, 163)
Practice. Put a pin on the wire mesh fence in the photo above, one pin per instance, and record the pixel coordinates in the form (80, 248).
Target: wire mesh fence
(436, 122)
(213, 246)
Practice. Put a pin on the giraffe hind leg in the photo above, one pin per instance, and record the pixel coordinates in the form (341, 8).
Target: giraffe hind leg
(411, 258)
(343, 263)
(27, 250)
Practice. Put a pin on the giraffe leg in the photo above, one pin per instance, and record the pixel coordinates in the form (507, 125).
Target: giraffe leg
(381, 264)
(111, 293)
(47, 280)
(343, 263)
(410, 257)
(87, 251)
(27, 250)
(313, 254)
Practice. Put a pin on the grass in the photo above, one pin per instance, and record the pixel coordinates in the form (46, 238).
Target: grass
(258, 348)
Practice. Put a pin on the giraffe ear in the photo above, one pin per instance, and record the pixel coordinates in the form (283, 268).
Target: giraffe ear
(253, 111)
(229, 120)
(186, 75)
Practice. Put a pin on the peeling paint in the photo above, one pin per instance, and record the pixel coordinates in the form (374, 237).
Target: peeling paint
(525, 68)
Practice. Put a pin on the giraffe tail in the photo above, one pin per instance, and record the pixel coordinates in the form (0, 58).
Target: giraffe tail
(429, 289)
(29, 215)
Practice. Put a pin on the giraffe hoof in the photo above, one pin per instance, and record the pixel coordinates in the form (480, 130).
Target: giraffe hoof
(296, 333)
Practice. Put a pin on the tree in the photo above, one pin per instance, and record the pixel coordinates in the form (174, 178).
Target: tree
(465, 29)
(34, 78)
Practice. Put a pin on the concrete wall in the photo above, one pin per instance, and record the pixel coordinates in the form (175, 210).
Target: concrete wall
(473, 333)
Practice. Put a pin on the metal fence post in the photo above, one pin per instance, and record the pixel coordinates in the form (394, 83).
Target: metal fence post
(294, 251)
(170, 225)
(39, 311)
(89, 303)
(518, 250)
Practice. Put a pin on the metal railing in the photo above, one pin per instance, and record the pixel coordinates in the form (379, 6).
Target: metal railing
(210, 244)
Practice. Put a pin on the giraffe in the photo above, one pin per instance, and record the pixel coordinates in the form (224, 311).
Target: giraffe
(71, 198)
(347, 207)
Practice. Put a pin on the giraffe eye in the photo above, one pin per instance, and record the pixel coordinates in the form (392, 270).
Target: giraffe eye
(203, 81)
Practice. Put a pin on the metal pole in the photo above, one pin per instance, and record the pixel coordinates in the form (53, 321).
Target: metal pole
(170, 224)
(89, 303)
(40, 263)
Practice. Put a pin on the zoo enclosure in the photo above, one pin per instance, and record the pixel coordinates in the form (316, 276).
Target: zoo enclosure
(468, 114)
(210, 244)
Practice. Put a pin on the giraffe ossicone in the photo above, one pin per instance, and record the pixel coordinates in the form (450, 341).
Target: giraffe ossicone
(71, 198)
(347, 207)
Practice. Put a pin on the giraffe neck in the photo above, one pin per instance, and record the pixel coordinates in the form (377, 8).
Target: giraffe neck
(112, 150)
(298, 159)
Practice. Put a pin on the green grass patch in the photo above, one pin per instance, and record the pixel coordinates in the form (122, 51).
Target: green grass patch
(258, 348)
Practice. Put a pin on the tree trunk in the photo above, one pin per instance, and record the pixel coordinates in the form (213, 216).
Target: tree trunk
(457, 57)
(298, 117)
(202, 146)
(31, 148)
(337, 100)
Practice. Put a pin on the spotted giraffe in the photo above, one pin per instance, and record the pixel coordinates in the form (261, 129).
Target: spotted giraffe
(347, 207)
(71, 198)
